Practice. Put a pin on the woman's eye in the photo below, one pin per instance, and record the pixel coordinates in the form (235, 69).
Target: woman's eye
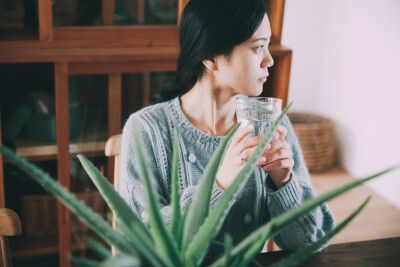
(259, 48)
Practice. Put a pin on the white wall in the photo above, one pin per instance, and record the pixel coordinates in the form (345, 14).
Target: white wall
(346, 66)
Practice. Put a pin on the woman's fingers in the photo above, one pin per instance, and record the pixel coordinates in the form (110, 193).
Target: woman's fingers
(279, 164)
(278, 154)
(282, 130)
(250, 142)
(241, 134)
(276, 145)
(245, 155)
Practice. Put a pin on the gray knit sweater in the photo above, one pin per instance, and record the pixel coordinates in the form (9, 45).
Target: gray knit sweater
(258, 201)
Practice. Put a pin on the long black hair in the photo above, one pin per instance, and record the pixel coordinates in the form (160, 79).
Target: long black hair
(209, 28)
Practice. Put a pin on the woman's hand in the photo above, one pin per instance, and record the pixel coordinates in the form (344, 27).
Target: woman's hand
(279, 159)
(236, 155)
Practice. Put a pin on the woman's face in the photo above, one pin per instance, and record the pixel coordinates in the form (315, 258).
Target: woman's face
(246, 70)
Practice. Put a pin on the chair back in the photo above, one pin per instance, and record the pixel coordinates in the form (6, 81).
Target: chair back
(113, 149)
(10, 225)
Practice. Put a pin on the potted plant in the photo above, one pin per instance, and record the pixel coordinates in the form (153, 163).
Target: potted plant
(187, 239)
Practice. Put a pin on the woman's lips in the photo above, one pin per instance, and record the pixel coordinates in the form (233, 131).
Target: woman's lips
(263, 79)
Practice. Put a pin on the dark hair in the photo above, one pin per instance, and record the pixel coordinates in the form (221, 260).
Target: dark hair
(209, 28)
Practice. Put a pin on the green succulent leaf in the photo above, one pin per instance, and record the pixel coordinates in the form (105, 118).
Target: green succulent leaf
(127, 220)
(83, 262)
(302, 254)
(100, 250)
(180, 231)
(83, 212)
(279, 223)
(161, 236)
(175, 193)
(227, 250)
(198, 247)
(121, 260)
(200, 204)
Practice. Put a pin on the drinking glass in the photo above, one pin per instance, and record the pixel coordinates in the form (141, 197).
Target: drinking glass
(261, 112)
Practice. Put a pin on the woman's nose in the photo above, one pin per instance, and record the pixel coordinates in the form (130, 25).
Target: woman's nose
(268, 61)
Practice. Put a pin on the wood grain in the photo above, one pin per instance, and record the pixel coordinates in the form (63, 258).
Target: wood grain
(181, 6)
(89, 54)
(139, 42)
(122, 67)
(45, 20)
(2, 195)
(378, 220)
(63, 166)
(278, 83)
(277, 8)
(114, 114)
(101, 54)
(116, 33)
(382, 252)
(108, 12)
(10, 225)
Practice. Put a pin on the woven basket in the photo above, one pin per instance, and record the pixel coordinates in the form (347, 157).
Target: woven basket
(316, 136)
(39, 213)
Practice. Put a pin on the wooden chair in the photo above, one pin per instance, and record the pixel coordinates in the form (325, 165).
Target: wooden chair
(113, 149)
(10, 225)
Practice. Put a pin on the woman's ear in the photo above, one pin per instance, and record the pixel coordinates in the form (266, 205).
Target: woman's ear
(210, 64)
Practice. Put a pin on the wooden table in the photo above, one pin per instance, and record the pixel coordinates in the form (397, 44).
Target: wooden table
(380, 252)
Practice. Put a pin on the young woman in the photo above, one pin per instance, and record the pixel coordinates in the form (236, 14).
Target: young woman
(224, 52)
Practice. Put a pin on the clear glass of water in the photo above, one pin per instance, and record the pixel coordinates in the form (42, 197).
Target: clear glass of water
(261, 112)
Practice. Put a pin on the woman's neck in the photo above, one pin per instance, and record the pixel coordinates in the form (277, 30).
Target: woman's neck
(209, 109)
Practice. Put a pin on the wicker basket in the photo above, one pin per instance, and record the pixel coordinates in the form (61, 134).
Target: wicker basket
(316, 136)
(39, 213)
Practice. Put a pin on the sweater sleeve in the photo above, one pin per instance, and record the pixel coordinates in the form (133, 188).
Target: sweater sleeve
(316, 223)
(131, 186)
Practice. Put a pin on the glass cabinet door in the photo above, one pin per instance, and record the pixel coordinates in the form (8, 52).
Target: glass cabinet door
(68, 13)
(19, 20)
(88, 125)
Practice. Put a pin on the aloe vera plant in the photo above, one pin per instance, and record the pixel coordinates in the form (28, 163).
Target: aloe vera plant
(186, 240)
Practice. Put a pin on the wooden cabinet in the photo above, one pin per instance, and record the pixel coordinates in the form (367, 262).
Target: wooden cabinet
(129, 63)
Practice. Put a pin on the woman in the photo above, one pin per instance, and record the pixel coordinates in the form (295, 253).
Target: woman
(224, 52)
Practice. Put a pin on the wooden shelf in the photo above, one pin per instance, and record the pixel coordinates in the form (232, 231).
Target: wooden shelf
(19, 34)
(86, 54)
(38, 150)
(98, 54)
(25, 247)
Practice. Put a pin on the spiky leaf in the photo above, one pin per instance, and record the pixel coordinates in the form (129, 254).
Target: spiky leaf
(84, 213)
(175, 193)
(127, 220)
(199, 245)
(99, 249)
(279, 223)
(162, 238)
(83, 262)
(201, 200)
(121, 260)
(302, 254)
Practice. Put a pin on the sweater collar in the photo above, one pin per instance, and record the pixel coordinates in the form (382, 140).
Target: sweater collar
(187, 128)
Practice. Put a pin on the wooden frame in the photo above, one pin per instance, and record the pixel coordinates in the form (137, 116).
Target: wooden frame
(277, 8)
(278, 86)
(63, 166)
(2, 195)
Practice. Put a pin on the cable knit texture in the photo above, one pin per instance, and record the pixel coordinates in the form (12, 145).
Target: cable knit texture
(258, 201)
